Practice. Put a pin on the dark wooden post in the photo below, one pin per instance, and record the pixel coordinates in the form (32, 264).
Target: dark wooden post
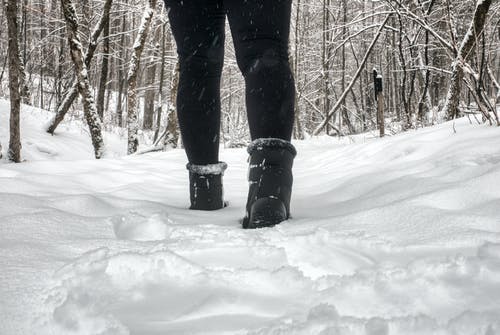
(379, 97)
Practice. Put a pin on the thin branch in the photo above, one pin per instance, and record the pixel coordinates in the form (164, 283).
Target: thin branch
(354, 78)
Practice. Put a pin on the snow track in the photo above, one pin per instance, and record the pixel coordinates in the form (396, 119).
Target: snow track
(392, 236)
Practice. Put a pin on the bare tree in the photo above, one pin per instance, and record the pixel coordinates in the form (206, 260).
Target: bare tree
(93, 120)
(72, 93)
(451, 109)
(132, 118)
(162, 79)
(353, 80)
(172, 130)
(11, 10)
(104, 70)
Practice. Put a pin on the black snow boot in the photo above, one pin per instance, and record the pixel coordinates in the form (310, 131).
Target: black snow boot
(205, 186)
(270, 182)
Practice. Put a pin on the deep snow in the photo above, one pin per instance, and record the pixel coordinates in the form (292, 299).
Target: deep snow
(389, 236)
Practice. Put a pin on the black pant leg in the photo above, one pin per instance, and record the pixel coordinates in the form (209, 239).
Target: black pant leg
(198, 29)
(260, 30)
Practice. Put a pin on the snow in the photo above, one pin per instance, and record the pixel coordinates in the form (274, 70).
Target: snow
(399, 235)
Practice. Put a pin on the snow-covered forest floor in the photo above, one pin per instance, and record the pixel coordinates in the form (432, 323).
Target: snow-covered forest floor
(399, 235)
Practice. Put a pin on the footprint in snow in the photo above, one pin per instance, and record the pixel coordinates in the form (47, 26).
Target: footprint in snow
(138, 227)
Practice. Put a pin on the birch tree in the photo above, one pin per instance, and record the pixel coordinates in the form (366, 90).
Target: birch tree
(89, 109)
(132, 118)
(72, 93)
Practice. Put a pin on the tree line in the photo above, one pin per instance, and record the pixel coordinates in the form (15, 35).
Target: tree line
(112, 63)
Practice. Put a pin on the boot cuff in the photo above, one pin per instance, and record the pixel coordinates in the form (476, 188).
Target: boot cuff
(271, 143)
(217, 168)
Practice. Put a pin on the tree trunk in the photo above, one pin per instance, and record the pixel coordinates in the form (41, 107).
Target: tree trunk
(72, 93)
(297, 126)
(15, 64)
(149, 96)
(60, 62)
(90, 112)
(104, 72)
(425, 104)
(162, 78)
(325, 60)
(402, 61)
(451, 109)
(345, 115)
(23, 83)
(41, 55)
(140, 41)
(63, 108)
(121, 75)
(172, 137)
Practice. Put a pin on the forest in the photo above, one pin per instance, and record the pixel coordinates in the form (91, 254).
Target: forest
(435, 60)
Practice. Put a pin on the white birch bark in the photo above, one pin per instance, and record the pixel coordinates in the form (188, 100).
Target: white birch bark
(89, 109)
(132, 118)
(72, 93)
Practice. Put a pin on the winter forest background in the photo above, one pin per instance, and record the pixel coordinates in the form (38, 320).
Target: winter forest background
(438, 59)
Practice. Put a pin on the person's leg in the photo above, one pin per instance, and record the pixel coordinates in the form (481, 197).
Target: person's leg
(260, 30)
(198, 29)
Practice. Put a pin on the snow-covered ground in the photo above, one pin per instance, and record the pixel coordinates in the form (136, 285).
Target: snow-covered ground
(389, 236)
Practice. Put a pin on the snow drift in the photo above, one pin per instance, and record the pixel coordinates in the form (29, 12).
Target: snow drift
(399, 235)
